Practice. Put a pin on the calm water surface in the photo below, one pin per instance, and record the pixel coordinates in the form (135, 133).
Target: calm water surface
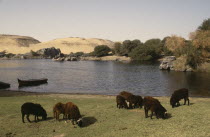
(96, 77)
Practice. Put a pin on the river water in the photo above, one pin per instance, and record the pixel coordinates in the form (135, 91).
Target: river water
(103, 77)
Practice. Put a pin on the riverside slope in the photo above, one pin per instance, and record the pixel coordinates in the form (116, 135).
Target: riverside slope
(23, 44)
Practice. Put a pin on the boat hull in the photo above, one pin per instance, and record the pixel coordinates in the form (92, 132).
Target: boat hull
(4, 85)
(32, 82)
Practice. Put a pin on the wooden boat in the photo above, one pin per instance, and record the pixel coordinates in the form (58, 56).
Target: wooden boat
(4, 85)
(32, 82)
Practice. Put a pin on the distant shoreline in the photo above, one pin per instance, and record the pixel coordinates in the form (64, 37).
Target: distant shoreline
(105, 58)
(8, 93)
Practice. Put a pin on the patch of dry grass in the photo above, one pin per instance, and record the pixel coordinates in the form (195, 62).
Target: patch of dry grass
(205, 67)
(103, 119)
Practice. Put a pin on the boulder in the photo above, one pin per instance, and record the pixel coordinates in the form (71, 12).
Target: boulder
(171, 63)
(49, 52)
(74, 59)
(167, 63)
(61, 59)
(68, 59)
(2, 54)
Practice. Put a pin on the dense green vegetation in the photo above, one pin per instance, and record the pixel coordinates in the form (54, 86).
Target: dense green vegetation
(101, 50)
(103, 119)
(77, 54)
(150, 50)
(196, 50)
(205, 25)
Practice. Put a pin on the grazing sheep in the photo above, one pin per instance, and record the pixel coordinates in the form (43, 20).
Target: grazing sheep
(178, 95)
(34, 109)
(73, 113)
(125, 94)
(58, 109)
(155, 106)
(121, 102)
(135, 101)
(139, 101)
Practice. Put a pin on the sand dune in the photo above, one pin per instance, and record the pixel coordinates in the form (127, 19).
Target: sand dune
(16, 44)
(22, 44)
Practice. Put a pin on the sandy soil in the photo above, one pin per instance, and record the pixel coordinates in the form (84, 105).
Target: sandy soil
(23, 44)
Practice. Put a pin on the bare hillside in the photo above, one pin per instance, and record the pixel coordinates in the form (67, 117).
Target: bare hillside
(16, 44)
(73, 44)
(21, 44)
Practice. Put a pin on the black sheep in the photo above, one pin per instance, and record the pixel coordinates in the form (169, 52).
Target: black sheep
(135, 101)
(178, 95)
(34, 109)
(154, 105)
(121, 102)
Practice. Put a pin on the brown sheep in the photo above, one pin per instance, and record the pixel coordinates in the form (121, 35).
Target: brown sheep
(134, 101)
(154, 105)
(121, 102)
(126, 94)
(73, 113)
(34, 109)
(178, 95)
(58, 109)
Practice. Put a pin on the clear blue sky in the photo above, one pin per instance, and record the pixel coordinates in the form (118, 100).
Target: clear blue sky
(116, 20)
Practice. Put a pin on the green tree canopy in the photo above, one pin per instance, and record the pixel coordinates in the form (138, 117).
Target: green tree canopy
(117, 48)
(101, 50)
(128, 46)
(150, 50)
(153, 42)
(205, 25)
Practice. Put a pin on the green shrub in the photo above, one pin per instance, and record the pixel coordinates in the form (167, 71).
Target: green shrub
(150, 50)
(145, 53)
(101, 50)
(193, 54)
(128, 46)
(33, 53)
(117, 48)
(167, 52)
(9, 55)
(77, 54)
(205, 25)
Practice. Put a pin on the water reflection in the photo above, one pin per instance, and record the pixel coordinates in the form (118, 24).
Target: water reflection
(103, 77)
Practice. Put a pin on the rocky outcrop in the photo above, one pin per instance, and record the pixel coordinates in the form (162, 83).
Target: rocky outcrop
(60, 59)
(49, 52)
(171, 63)
(108, 58)
(167, 63)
